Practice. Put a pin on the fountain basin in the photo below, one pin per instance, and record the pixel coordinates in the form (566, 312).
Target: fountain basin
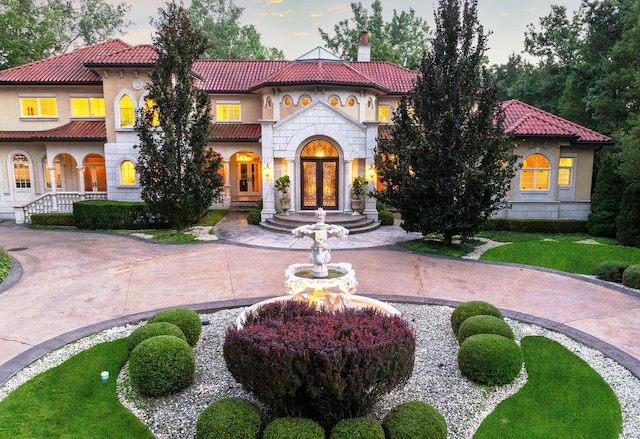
(342, 276)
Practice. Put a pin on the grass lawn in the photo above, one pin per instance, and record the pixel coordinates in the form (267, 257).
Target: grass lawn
(434, 246)
(70, 401)
(563, 398)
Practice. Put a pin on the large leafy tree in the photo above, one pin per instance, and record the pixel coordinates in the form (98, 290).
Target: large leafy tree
(401, 40)
(31, 30)
(219, 21)
(448, 165)
(178, 172)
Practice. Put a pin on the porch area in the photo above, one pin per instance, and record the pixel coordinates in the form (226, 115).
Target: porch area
(51, 202)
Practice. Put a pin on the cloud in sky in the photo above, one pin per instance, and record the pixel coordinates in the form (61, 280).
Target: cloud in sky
(316, 14)
(274, 2)
(300, 34)
(530, 10)
(503, 13)
(280, 14)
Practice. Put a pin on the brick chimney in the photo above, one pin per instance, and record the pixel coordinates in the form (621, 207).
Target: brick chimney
(364, 47)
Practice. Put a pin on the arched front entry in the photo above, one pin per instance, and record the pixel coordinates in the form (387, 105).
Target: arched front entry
(319, 173)
(95, 177)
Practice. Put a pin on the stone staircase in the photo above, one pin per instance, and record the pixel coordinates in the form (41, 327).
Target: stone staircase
(243, 206)
(353, 223)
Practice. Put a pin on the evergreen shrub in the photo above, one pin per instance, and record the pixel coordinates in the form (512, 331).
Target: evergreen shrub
(293, 428)
(5, 264)
(605, 200)
(490, 359)
(254, 217)
(414, 420)
(230, 418)
(386, 218)
(357, 428)
(483, 324)
(152, 330)
(185, 319)
(628, 221)
(52, 219)
(304, 362)
(610, 270)
(110, 215)
(536, 225)
(631, 277)
(473, 308)
(161, 365)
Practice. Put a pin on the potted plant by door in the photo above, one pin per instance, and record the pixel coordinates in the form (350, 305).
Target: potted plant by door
(357, 194)
(282, 184)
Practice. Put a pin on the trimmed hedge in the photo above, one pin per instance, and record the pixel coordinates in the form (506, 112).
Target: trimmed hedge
(161, 365)
(631, 277)
(52, 219)
(303, 362)
(357, 428)
(536, 225)
(293, 428)
(386, 218)
(185, 319)
(473, 308)
(610, 270)
(255, 216)
(152, 330)
(490, 359)
(230, 418)
(109, 215)
(414, 420)
(483, 324)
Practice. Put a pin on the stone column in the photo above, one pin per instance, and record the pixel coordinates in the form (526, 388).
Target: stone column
(226, 197)
(348, 180)
(54, 196)
(291, 172)
(81, 191)
(370, 202)
(268, 196)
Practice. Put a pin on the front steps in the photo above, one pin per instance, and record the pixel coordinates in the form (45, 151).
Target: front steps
(353, 223)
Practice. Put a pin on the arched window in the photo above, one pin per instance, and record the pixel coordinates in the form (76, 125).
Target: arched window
(127, 173)
(535, 173)
(351, 101)
(287, 101)
(334, 100)
(127, 114)
(305, 100)
(21, 174)
(151, 106)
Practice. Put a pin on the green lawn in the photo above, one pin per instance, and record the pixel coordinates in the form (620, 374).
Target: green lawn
(5, 264)
(563, 398)
(434, 246)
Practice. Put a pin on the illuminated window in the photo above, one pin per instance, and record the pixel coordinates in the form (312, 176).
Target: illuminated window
(150, 106)
(21, 171)
(287, 101)
(351, 101)
(535, 173)
(38, 107)
(383, 113)
(305, 100)
(87, 107)
(127, 173)
(334, 101)
(228, 112)
(127, 115)
(565, 171)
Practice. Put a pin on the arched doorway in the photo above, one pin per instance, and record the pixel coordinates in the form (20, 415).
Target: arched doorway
(95, 177)
(320, 178)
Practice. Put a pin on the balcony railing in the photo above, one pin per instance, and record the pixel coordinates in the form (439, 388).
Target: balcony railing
(50, 202)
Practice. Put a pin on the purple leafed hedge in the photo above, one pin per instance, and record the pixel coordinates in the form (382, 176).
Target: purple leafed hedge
(325, 366)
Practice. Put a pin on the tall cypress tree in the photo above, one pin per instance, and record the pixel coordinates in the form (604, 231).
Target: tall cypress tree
(178, 172)
(605, 201)
(448, 166)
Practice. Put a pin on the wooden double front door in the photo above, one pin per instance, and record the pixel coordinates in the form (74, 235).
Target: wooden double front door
(319, 162)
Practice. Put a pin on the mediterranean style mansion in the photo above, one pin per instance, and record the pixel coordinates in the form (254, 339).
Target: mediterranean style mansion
(67, 133)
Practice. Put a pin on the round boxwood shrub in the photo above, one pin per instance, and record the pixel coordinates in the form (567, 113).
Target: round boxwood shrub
(254, 217)
(610, 270)
(152, 330)
(490, 359)
(357, 428)
(386, 218)
(472, 308)
(185, 319)
(415, 420)
(483, 324)
(230, 418)
(293, 428)
(161, 365)
(631, 277)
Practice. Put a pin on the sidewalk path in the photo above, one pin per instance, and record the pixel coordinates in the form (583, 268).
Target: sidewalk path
(74, 283)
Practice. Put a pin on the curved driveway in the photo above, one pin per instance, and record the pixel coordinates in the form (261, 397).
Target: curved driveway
(74, 283)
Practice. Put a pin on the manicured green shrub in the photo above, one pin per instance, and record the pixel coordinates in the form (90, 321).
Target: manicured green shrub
(628, 221)
(483, 324)
(536, 225)
(161, 365)
(386, 218)
(473, 308)
(631, 277)
(185, 319)
(152, 330)
(605, 200)
(303, 362)
(490, 359)
(414, 420)
(357, 428)
(293, 428)
(254, 217)
(230, 418)
(108, 215)
(610, 270)
(5, 264)
(52, 219)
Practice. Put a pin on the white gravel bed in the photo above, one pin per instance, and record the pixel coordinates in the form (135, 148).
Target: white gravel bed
(436, 378)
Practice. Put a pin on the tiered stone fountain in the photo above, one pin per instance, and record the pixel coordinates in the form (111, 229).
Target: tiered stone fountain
(317, 282)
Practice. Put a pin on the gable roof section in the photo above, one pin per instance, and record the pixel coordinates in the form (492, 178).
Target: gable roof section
(72, 132)
(68, 68)
(142, 55)
(526, 120)
(232, 76)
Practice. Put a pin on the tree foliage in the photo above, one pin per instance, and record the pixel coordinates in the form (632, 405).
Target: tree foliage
(401, 40)
(605, 201)
(219, 21)
(32, 30)
(178, 172)
(447, 165)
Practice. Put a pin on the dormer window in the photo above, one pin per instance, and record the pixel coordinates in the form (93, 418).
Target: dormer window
(38, 106)
(228, 112)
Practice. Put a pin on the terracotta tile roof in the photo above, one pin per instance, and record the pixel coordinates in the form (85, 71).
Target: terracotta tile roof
(221, 76)
(395, 78)
(142, 55)
(526, 120)
(235, 132)
(71, 132)
(65, 69)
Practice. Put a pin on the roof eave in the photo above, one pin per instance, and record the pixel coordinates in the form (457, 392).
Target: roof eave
(320, 83)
